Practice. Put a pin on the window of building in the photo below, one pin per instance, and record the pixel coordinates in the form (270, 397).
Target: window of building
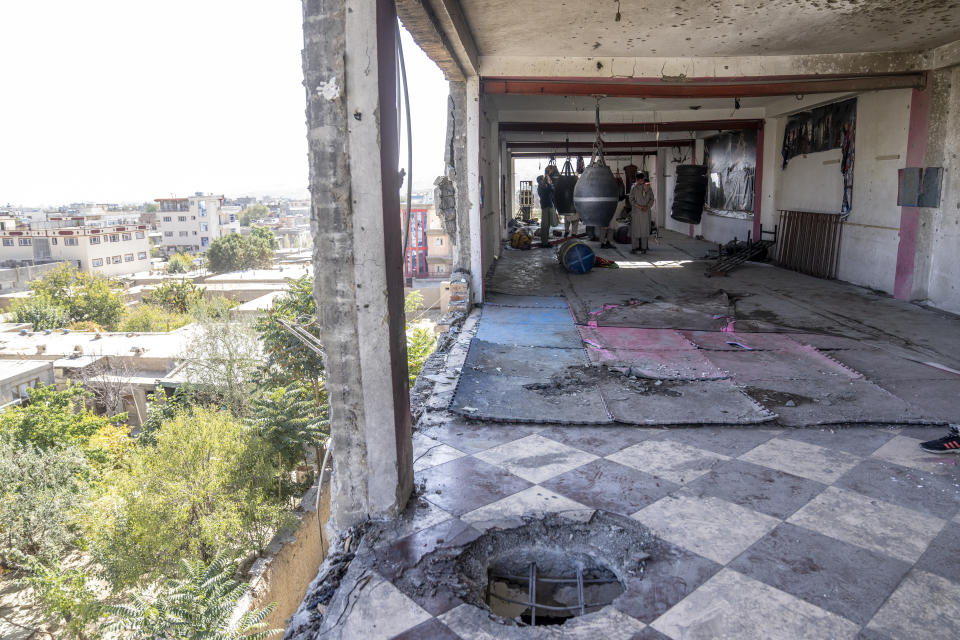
(114, 237)
(182, 218)
(128, 257)
(25, 242)
(184, 233)
(167, 218)
(8, 242)
(193, 217)
(116, 259)
(439, 242)
(233, 218)
(204, 226)
(94, 239)
(140, 235)
(204, 241)
(70, 242)
(126, 237)
(441, 268)
(168, 234)
(194, 233)
(53, 241)
(97, 262)
(142, 255)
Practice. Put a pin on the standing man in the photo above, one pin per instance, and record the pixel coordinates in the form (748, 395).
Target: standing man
(641, 204)
(548, 212)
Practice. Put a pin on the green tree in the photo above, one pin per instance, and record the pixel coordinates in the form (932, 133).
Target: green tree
(198, 605)
(254, 212)
(227, 253)
(151, 208)
(223, 362)
(39, 493)
(234, 252)
(150, 318)
(288, 358)
(41, 312)
(289, 420)
(264, 235)
(55, 418)
(420, 344)
(165, 406)
(85, 296)
(177, 296)
(66, 596)
(203, 486)
(179, 263)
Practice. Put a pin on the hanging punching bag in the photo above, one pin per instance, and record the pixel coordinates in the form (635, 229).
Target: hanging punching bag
(563, 186)
(596, 194)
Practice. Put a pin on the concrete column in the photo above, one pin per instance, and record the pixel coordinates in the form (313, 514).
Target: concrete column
(355, 218)
(474, 215)
(933, 136)
(455, 158)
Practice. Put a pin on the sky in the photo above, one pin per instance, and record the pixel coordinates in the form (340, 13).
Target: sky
(124, 101)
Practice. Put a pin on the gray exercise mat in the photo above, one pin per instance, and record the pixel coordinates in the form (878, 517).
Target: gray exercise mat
(528, 362)
(712, 402)
(492, 396)
(808, 402)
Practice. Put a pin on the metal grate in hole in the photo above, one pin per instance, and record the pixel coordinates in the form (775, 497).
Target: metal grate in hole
(561, 613)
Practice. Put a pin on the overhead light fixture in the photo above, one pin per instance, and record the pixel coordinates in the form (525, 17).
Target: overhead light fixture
(617, 17)
(736, 103)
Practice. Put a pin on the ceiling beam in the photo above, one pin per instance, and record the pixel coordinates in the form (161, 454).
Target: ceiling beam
(628, 127)
(562, 145)
(703, 87)
(628, 153)
(453, 12)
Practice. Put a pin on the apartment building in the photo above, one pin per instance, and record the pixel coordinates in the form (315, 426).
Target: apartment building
(109, 250)
(192, 223)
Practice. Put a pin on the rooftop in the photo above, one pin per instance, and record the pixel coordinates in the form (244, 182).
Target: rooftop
(763, 427)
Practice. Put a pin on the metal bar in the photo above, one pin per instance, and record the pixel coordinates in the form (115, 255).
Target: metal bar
(547, 606)
(693, 89)
(505, 576)
(628, 127)
(562, 145)
(583, 608)
(532, 594)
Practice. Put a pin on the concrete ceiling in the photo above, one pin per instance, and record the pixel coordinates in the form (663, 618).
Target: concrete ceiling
(684, 28)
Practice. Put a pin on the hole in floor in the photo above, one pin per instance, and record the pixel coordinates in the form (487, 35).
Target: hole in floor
(540, 587)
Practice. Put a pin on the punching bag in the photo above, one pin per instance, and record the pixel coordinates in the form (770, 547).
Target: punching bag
(596, 194)
(563, 186)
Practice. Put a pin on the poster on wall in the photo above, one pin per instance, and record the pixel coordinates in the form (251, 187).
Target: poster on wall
(731, 160)
(831, 126)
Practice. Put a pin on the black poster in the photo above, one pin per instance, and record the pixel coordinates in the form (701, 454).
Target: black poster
(731, 160)
(819, 129)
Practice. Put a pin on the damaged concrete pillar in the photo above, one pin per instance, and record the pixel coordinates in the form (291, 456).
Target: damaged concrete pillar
(927, 266)
(457, 191)
(355, 218)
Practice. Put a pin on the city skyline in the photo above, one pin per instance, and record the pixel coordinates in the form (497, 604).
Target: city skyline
(125, 104)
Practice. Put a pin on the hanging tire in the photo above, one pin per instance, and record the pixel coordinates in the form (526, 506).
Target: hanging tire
(691, 170)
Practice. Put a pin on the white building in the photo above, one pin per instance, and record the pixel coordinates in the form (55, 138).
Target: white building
(191, 224)
(82, 241)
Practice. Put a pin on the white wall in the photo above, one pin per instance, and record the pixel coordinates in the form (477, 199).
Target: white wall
(868, 248)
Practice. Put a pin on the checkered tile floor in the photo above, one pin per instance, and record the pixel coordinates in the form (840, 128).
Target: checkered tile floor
(779, 533)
